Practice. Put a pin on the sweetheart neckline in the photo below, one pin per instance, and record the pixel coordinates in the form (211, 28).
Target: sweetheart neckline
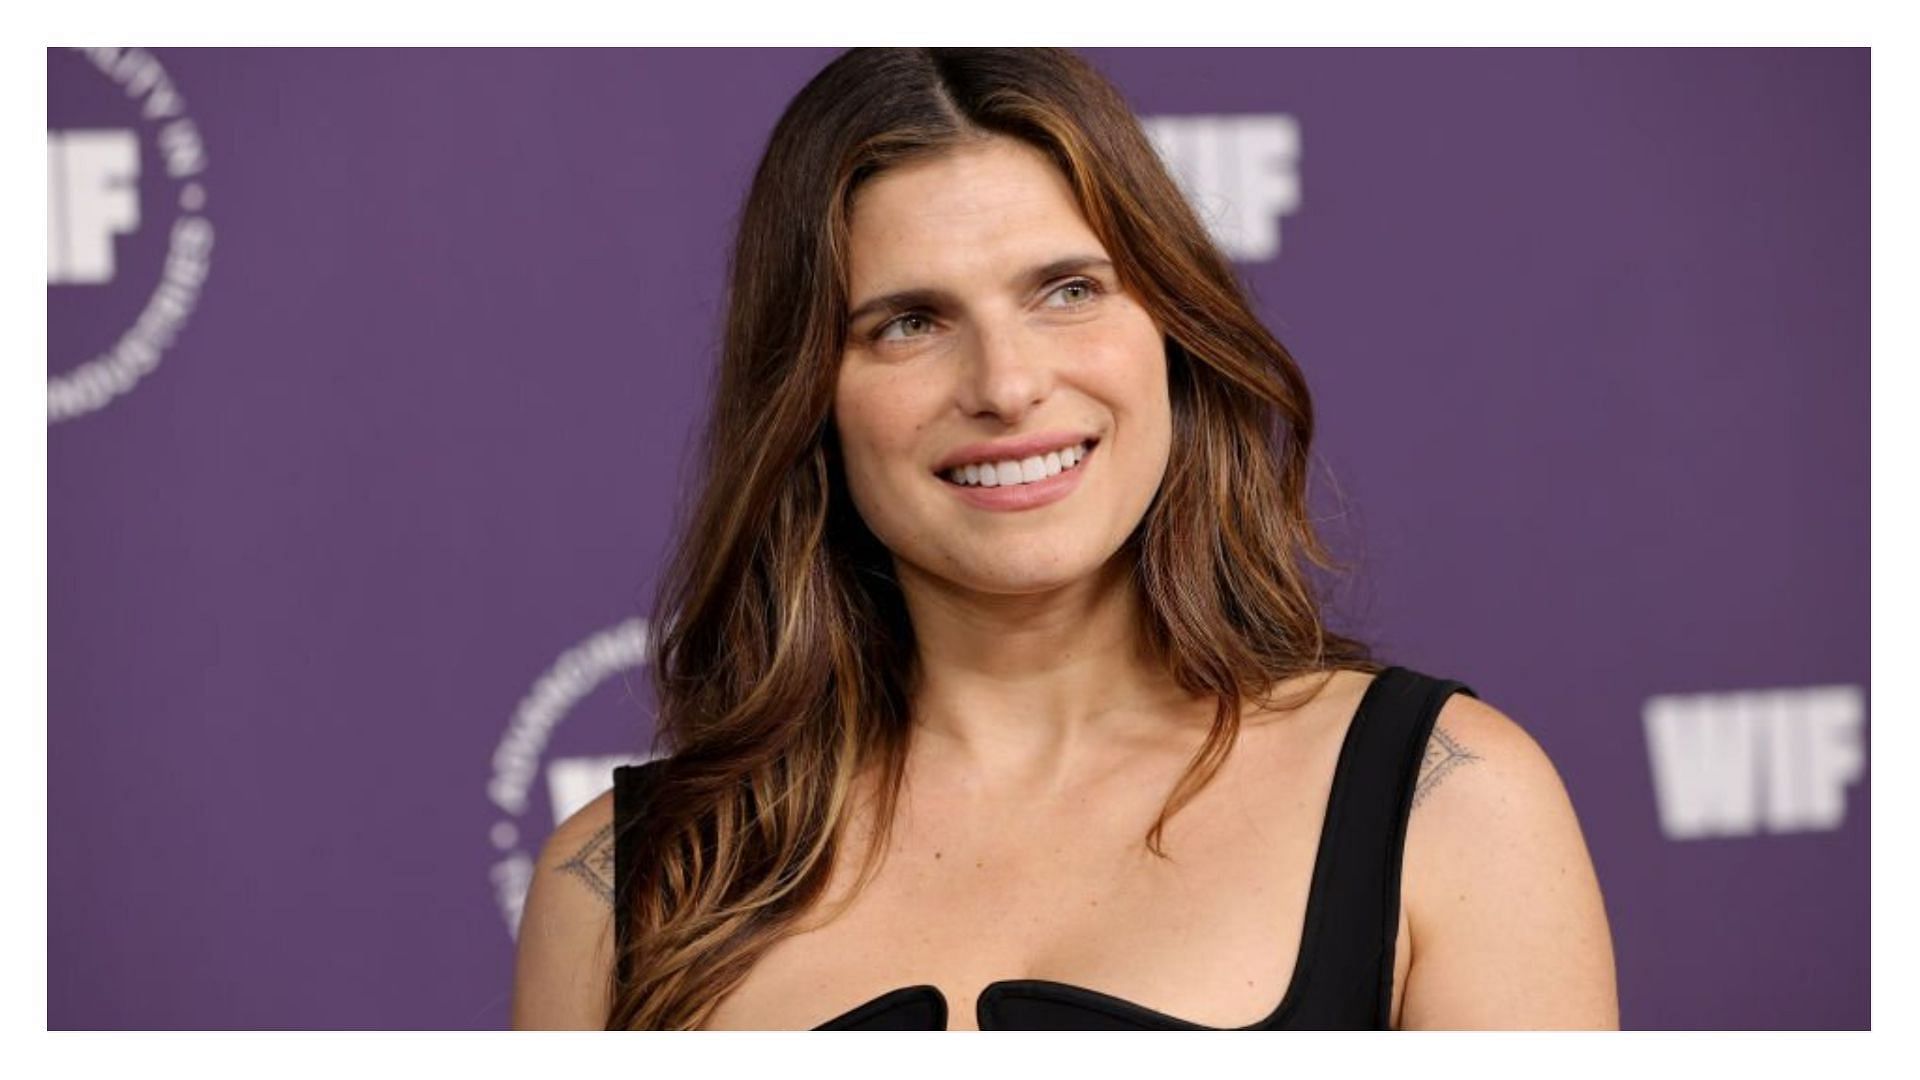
(1053, 989)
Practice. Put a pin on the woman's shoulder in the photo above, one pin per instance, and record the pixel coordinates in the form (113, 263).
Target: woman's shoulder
(1503, 905)
(1479, 764)
(584, 845)
(566, 934)
(1483, 757)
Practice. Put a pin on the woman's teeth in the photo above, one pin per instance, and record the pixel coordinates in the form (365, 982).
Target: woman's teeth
(1008, 473)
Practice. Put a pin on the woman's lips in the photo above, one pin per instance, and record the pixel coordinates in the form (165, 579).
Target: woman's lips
(1024, 496)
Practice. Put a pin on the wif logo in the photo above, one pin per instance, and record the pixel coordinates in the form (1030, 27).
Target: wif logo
(93, 195)
(1737, 764)
(101, 194)
(1241, 173)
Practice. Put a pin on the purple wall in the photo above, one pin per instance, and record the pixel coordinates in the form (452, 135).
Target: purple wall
(366, 433)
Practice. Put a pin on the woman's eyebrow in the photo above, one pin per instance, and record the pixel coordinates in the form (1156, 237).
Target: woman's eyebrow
(906, 299)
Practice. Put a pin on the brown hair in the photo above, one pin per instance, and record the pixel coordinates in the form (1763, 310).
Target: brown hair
(784, 662)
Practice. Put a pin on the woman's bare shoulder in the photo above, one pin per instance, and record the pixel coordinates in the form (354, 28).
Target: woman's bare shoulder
(1504, 909)
(565, 939)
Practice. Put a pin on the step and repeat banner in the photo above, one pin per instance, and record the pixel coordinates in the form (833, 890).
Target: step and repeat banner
(372, 380)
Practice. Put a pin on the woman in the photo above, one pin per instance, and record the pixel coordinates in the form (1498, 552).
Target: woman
(996, 692)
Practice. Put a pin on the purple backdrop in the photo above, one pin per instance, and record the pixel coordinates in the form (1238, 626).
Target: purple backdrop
(366, 437)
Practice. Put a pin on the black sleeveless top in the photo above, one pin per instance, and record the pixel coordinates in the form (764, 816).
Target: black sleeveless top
(1343, 977)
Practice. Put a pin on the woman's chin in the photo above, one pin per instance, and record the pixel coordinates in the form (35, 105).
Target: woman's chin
(1025, 578)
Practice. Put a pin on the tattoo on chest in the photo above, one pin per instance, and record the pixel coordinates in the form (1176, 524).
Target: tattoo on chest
(1444, 754)
(593, 864)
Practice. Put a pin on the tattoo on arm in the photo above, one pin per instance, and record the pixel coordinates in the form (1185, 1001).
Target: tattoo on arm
(1444, 754)
(593, 864)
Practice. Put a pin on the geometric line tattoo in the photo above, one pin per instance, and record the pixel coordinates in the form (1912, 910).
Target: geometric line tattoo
(593, 864)
(1443, 755)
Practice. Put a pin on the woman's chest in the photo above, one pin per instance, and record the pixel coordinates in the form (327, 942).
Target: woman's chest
(1069, 895)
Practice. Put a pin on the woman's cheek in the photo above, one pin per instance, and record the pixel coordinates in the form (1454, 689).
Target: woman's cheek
(874, 476)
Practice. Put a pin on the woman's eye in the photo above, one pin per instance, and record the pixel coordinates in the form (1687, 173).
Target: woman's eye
(1087, 286)
(910, 317)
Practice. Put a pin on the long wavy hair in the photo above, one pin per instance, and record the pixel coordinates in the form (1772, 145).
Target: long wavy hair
(785, 659)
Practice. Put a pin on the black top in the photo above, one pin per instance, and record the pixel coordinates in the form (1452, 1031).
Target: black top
(1343, 977)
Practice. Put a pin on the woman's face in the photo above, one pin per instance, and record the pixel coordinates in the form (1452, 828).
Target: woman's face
(989, 331)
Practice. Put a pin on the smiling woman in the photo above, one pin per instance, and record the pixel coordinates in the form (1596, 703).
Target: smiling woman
(990, 670)
(1009, 336)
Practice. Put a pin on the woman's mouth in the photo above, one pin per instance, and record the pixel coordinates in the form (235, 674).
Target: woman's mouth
(1012, 473)
(1024, 484)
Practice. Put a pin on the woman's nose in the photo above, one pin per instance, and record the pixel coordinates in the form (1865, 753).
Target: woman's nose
(1006, 372)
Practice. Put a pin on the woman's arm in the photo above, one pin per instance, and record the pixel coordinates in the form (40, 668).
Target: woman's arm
(1504, 910)
(566, 930)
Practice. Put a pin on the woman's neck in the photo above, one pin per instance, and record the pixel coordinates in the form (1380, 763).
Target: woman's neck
(1036, 687)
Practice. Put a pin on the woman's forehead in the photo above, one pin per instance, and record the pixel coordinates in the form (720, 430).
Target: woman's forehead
(963, 185)
(965, 211)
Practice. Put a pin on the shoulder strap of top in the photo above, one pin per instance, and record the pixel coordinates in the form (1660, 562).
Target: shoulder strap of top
(1372, 796)
(632, 787)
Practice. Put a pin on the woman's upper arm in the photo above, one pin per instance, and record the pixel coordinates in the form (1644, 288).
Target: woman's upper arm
(566, 927)
(1504, 910)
